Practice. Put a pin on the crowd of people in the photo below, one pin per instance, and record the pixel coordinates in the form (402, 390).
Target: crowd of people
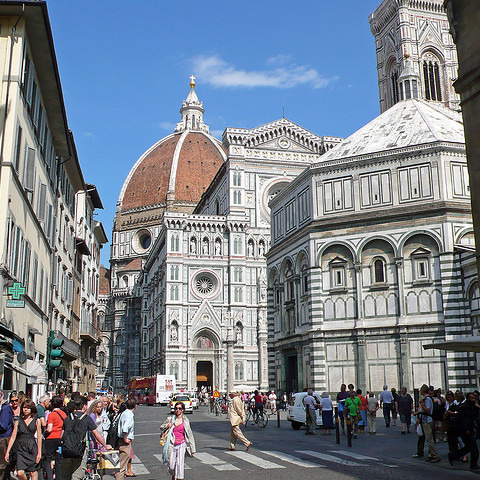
(55, 436)
(454, 418)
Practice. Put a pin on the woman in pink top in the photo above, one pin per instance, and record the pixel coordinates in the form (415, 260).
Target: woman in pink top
(181, 441)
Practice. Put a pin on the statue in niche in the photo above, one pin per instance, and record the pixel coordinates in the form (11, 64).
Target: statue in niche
(261, 249)
(238, 333)
(193, 246)
(174, 332)
(218, 247)
(205, 246)
(263, 286)
(250, 249)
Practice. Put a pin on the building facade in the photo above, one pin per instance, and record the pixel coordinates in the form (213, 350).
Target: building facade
(39, 177)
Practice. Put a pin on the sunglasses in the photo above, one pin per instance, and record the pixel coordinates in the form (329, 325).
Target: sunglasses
(14, 400)
(178, 408)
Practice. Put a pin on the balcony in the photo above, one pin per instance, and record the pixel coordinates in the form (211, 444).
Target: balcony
(88, 332)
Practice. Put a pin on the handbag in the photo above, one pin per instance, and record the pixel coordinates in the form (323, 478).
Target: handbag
(164, 436)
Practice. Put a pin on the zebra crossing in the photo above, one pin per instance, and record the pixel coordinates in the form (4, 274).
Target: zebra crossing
(235, 460)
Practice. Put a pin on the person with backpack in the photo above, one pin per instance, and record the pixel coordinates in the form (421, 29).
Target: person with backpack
(424, 416)
(75, 428)
(53, 433)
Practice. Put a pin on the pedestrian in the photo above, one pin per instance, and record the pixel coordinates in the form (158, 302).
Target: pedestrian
(372, 408)
(352, 408)
(284, 401)
(125, 432)
(42, 407)
(95, 411)
(466, 416)
(28, 449)
(6, 428)
(272, 400)
(394, 403)
(342, 395)
(363, 411)
(258, 400)
(424, 416)
(180, 441)
(386, 401)
(310, 410)
(53, 433)
(404, 407)
(326, 406)
(75, 427)
(450, 423)
(236, 413)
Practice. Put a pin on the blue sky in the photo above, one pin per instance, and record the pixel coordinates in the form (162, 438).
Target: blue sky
(125, 69)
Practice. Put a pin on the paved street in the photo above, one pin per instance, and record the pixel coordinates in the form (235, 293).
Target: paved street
(283, 453)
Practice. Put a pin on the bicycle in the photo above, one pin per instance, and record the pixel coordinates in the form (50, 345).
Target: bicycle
(259, 417)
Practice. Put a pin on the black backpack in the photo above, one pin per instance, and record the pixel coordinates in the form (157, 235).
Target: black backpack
(74, 435)
(112, 435)
(438, 411)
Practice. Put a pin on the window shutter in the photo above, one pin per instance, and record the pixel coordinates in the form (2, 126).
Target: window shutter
(18, 149)
(29, 178)
(42, 202)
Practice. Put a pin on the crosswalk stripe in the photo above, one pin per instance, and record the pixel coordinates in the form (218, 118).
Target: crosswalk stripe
(159, 457)
(291, 459)
(259, 462)
(331, 458)
(357, 456)
(139, 469)
(215, 462)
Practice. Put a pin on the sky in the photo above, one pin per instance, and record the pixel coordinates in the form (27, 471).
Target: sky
(125, 68)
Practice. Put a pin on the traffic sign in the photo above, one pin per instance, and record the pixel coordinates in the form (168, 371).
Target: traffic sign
(216, 394)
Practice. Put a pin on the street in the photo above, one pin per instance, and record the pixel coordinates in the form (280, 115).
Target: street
(283, 453)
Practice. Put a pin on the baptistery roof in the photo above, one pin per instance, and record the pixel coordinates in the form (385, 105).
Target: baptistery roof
(179, 167)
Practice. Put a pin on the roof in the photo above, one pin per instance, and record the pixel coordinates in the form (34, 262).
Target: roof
(132, 266)
(407, 123)
(104, 281)
(181, 165)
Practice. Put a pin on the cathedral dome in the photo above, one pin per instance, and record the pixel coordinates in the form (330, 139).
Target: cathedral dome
(179, 167)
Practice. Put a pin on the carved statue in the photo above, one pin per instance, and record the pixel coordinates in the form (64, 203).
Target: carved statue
(205, 246)
(218, 247)
(174, 332)
(193, 246)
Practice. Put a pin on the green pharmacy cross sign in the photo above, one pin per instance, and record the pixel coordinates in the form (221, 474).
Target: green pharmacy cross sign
(16, 291)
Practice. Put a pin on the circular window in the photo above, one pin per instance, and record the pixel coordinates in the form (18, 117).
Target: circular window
(205, 284)
(141, 241)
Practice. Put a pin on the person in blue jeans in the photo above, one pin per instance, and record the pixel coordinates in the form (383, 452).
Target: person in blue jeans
(386, 401)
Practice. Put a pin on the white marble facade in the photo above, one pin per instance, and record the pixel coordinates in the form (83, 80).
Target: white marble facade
(371, 258)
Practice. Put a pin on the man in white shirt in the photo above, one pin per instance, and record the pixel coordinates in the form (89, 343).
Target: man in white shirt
(125, 437)
(310, 406)
(386, 400)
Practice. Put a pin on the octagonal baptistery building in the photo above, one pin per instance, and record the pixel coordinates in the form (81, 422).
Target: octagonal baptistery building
(171, 176)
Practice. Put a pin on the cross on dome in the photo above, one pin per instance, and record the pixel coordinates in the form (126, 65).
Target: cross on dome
(192, 81)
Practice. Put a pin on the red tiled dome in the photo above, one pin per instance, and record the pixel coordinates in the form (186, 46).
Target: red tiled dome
(192, 158)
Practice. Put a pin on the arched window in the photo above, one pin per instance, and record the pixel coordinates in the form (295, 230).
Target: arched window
(174, 243)
(125, 281)
(431, 77)
(174, 272)
(379, 271)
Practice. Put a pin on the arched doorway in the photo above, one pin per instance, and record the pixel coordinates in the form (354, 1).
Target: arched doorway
(206, 362)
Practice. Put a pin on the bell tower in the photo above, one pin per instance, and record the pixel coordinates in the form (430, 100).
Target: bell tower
(413, 37)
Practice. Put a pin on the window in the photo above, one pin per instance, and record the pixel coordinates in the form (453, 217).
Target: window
(237, 246)
(421, 265)
(237, 275)
(378, 271)
(18, 149)
(338, 274)
(174, 272)
(174, 369)
(238, 371)
(174, 292)
(29, 174)
(394, 86)
(237, 294)
(174, 243)
(237, 179)
(431, 78)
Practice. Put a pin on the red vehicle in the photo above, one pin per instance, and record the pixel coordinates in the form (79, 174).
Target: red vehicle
(152, 390)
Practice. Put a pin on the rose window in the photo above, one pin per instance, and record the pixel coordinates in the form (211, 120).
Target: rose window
(204, 285)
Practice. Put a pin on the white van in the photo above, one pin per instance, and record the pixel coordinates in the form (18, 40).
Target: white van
(296, 410)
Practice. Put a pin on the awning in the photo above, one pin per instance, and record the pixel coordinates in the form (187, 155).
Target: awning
(16, 368)
(202, 378)
(36, 372)
(464, 344)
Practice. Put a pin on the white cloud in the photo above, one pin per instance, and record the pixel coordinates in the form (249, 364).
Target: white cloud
(167, 126)
(219, 73)
(216, 133)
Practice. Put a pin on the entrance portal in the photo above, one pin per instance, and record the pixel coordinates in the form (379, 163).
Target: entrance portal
(292, 374)
(205, 374)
